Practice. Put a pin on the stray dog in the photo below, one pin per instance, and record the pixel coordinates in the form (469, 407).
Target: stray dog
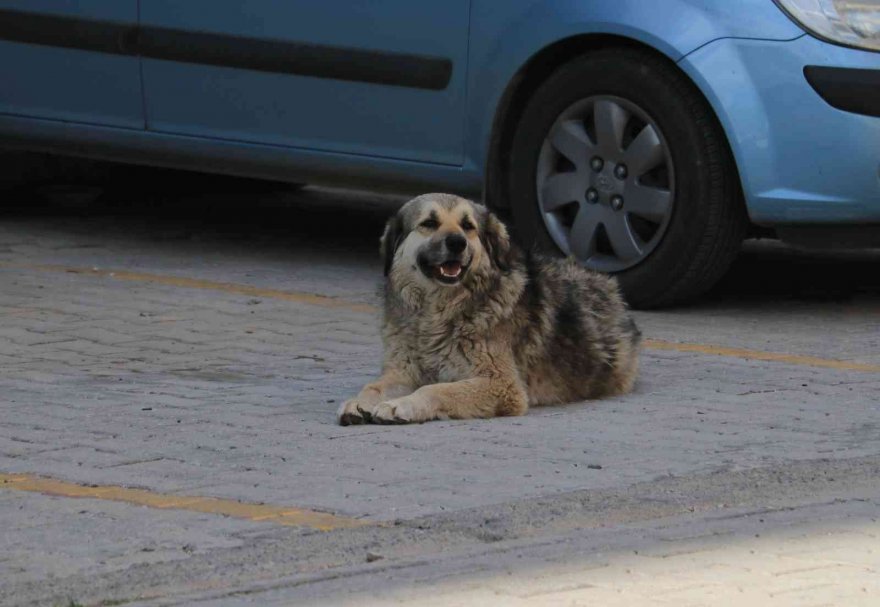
(474, 327)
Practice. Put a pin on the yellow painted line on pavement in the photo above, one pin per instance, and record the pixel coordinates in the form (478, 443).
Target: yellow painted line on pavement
(193, 283)
(791, 359)
(279, 515)
(334, 302)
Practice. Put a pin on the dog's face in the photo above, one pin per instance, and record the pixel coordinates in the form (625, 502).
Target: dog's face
(442, 239)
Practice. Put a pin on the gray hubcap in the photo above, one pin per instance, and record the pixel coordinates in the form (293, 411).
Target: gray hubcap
(605, 183)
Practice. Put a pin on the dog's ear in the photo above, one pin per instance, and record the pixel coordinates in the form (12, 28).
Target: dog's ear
(391, 239)
(496, 240)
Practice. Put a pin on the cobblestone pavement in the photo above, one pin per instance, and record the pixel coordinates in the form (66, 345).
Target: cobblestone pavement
(196, 344)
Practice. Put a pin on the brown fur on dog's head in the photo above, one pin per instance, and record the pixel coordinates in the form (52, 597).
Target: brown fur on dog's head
(444, 240)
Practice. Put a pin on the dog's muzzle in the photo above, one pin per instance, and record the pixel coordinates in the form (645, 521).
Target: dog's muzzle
(446, 260)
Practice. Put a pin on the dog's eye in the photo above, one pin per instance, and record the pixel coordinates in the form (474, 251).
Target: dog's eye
(467, 226)
(431, 224)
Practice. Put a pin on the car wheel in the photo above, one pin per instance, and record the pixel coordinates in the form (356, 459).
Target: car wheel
(618, 161)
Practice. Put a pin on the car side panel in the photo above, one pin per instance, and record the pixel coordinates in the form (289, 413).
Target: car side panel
(72, 84)
(502, 42)
(260, 161)
(311, 111)
(800, 160)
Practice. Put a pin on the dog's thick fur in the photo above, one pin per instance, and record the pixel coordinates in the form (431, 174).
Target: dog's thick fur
(474, 327)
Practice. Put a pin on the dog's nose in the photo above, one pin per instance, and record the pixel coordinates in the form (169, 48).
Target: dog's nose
(455, 243)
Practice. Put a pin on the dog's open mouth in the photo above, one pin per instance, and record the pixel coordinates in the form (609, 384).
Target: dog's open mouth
(449, 272)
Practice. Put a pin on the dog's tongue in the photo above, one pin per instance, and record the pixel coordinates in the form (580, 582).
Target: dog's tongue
(450, 269)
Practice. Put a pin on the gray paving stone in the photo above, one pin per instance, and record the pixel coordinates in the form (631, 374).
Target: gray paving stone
(206, 392)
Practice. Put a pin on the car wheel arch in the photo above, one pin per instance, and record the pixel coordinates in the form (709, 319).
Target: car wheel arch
(529, 77)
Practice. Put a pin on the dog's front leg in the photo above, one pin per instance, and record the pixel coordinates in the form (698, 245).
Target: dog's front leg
(466, 399)
(392, 384)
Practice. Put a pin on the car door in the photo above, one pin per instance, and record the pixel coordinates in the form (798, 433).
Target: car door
(368, 77)
(68, 61)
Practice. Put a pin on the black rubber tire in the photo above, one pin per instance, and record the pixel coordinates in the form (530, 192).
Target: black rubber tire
(708, 221)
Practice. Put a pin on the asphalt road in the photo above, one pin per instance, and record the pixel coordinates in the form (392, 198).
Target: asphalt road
(172, 356)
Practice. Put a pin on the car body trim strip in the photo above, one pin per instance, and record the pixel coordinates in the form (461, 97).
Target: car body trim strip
(276, 56)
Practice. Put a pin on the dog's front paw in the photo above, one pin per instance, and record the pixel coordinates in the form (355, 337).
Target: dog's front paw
(406, 410)
(354, 411)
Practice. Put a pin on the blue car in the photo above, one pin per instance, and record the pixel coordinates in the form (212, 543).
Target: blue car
(646, 138)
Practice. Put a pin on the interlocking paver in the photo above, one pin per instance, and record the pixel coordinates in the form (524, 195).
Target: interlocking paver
(221, 393)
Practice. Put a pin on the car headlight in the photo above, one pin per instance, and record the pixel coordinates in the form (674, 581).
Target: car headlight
(850, 22)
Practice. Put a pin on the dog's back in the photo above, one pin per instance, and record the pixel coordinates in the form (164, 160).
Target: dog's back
(575, 338)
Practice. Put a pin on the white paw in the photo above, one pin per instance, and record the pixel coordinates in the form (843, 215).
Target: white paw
(405, 410)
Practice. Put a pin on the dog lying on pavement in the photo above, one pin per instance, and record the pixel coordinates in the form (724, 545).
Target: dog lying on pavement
(475, 328)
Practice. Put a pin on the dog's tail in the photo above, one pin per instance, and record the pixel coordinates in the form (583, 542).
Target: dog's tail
(626, 362)
(629, 327)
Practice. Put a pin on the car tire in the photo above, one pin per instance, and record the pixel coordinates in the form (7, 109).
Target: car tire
(618, 160)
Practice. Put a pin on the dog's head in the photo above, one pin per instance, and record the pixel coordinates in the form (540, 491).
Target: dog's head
(441, 239)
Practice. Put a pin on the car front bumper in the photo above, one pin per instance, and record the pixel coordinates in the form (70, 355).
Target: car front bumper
(802, 159)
